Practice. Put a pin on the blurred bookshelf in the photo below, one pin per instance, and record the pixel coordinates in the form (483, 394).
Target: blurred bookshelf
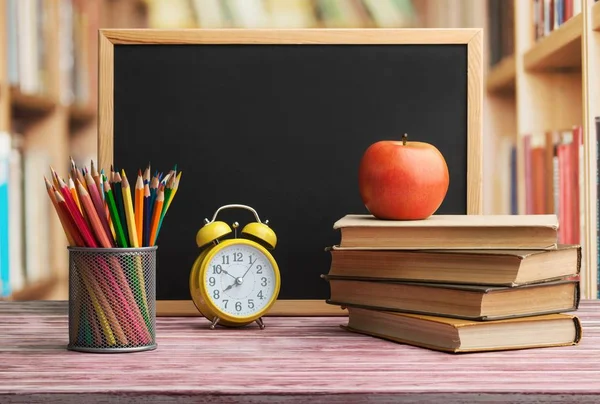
(542, 101)
(537, 80)
(48, 81)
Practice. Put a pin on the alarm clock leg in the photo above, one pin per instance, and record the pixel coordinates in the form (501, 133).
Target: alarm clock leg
(260, 323)
(214, 323)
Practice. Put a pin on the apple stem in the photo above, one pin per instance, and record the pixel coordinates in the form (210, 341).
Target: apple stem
(404, 137)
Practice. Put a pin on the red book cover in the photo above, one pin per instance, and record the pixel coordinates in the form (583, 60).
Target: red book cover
(575, 187)
(568, 9)
(562, 227)
(538, 179)
(527, 171)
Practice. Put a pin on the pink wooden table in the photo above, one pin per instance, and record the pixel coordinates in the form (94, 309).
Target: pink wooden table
(303, 360)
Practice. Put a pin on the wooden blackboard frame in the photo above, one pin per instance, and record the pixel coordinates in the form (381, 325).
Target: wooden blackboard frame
(471, 38)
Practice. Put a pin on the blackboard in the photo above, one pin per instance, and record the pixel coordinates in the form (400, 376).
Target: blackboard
(278, 120)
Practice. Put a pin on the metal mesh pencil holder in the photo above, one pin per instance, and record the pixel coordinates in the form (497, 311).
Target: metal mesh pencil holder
(112, 304)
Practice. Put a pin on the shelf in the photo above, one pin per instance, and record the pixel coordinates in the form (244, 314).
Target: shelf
(559, 50)
(35, 291)
(596, 16)
(30, 104)
(81, 114)
(501, 77)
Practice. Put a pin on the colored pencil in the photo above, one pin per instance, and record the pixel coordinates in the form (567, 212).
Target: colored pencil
(139, 209)
(147, 215)
(156, 215)
(77, 216)
(168, 192)
(175, 188)
(74, 194)
(63, 221)
(97, 228)
(118, 197)
(100, 207)
(129, 213)
(114, 214)
(139, 283)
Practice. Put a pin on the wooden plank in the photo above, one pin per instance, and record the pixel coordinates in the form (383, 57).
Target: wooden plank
(290, 36)
(475, 125)
(30, 104)
(596, 16)
(501, 78)
(294, 359)
(561, 49)
(170, 308)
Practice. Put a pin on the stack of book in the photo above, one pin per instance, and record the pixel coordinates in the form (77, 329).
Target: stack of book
(458, 283)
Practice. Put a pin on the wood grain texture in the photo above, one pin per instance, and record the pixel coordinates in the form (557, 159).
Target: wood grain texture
(185, 308)
(475, 125)
(290, 36)
(105, 101)
(559, 49)
(292, 360)
(501, 77)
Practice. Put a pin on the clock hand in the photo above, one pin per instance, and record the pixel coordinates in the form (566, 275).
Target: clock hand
(227, 273)
(251, 263)
(238, 281)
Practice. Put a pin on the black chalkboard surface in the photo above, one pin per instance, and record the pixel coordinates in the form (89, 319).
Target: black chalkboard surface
(281, 127)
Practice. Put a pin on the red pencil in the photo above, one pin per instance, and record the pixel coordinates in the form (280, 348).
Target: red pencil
(88, 238)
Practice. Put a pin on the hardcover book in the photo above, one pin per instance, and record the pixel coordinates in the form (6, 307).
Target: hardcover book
(456, 335)
(450, 232)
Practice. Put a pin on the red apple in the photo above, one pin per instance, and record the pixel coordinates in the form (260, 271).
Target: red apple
(401, 180)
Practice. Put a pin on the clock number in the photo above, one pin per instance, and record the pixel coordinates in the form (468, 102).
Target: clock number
(211, 281)
(238, 306)
(225, 301)
(226, 260)
(259, 269)
(216, 294)
(217, 269)
(250, 304)
(263, 281)
(238, 257)
(260, 295)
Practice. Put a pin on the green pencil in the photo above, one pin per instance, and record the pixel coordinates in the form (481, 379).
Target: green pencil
(114, 214)
(168, 194)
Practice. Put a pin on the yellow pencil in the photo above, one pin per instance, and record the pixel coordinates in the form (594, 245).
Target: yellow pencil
(74, 193)
(128, 207)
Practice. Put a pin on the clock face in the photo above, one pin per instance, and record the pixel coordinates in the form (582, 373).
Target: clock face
(240, 280)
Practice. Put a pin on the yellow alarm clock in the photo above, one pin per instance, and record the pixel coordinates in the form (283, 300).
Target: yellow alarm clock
(235, 281)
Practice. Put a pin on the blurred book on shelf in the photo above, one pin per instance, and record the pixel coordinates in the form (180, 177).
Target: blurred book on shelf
(548, 15)
(28, 49)
(24, 224)
(282, 14)
(553, 166)
(501, 30)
